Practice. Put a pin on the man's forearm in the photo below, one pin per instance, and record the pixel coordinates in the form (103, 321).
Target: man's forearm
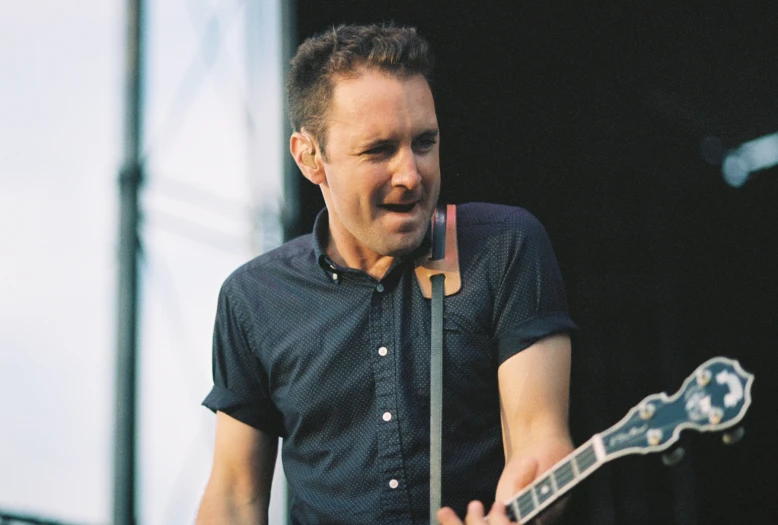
(238, 491)
(224, 509)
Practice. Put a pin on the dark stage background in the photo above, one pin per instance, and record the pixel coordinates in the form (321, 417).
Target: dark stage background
(593, 116)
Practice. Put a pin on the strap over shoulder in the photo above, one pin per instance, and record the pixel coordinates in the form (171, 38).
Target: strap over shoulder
(428, 265)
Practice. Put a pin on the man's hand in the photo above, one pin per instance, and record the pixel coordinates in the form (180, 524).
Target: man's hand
(475, 515)
(518, 473)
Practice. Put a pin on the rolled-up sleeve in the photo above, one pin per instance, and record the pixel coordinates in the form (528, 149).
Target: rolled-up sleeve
(240, 387)
(531, 302)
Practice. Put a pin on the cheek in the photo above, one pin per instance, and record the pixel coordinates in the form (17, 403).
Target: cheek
(353, 195)
(357, 189)
(429, 161)
(429, 168)
(367, 185)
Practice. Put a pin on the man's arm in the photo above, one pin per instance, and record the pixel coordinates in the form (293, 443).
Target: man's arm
(238, 491)
(534, 398)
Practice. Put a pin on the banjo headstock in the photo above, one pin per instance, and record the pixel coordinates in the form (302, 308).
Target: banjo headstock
(715, 397)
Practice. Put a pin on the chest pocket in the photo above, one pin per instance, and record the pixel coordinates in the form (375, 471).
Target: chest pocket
(470, 393)
(469, 358)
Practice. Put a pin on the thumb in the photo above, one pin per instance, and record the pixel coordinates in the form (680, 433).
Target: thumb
(518, 473)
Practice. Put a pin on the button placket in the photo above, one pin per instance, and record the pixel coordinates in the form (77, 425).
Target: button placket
(395, 498)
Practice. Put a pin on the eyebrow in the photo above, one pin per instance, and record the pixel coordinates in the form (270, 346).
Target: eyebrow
(428, 133)
(375, 144)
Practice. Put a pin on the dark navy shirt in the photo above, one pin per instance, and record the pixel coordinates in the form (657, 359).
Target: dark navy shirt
(337, 363)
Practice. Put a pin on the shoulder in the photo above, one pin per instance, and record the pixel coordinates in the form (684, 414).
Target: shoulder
(295, 257)
(497, 220)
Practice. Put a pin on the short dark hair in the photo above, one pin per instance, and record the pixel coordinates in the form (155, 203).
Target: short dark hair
(345, 51)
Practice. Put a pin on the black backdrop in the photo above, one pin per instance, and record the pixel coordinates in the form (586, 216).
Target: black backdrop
(593, 116)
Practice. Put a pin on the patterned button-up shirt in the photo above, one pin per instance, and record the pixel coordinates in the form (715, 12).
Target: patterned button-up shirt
(337, 363)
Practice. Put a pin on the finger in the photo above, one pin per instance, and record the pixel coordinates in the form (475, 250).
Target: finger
(475, 513)
(446, 516)
(498, 514)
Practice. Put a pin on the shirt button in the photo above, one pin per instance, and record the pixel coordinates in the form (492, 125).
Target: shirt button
(393, 483)
(380, 287)
(387, 416)
(334, 277)
(382, 351)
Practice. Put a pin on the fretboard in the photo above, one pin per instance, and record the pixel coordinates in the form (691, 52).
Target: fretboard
(559, 479)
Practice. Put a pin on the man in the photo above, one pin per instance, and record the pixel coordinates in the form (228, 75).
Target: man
(325, 341)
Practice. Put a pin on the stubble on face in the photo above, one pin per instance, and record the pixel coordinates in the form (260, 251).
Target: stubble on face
(382, 168)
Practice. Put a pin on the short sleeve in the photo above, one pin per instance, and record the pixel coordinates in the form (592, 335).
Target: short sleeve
(530, 302)
(240, 382)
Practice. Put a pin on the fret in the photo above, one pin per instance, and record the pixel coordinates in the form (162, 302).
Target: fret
(534, 496)
(586, 459)
(544, 489)
(558, 481)
(513, 511)
(564, 475)
(525, 504)
(552, 478)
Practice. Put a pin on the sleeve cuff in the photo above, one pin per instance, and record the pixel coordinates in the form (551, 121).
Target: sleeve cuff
(246, 411)
(532, 331)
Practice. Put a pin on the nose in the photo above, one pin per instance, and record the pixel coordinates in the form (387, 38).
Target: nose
(406, 173)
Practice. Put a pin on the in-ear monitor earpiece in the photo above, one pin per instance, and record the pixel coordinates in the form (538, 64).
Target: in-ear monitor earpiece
(308, 156)
(308, 159)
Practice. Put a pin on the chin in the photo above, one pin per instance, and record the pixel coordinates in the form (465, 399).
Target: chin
(405, 244)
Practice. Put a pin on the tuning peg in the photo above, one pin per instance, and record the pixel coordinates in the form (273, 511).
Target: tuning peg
(703, 376)
(733, 436)
(673, 457)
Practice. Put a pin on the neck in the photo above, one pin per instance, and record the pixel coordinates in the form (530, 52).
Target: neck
(373, 264)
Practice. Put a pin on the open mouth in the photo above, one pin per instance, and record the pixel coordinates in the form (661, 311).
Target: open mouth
(398, 208)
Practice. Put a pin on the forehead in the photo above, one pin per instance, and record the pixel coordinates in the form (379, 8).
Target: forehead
(379, 103)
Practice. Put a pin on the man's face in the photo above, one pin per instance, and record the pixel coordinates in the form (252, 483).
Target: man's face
(382, 170)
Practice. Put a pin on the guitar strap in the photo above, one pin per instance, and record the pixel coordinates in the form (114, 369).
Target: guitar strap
(445, 261)
(438, 275)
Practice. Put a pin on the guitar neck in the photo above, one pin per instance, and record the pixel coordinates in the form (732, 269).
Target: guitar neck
(715, 397)
(559, 479)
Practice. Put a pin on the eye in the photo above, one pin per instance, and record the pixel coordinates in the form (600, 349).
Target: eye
(425, 143)
(382, 150)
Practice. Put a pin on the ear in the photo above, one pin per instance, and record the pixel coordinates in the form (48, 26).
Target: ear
(306, 155)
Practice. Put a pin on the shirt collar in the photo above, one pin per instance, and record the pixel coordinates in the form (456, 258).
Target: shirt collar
(321, 235)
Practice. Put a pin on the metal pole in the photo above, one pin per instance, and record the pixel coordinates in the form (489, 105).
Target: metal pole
(130, 179)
